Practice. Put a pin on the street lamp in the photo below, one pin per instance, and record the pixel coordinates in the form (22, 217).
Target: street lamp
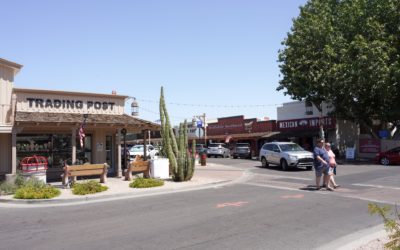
(199, 121)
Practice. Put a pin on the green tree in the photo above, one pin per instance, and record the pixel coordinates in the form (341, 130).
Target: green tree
(347, 53)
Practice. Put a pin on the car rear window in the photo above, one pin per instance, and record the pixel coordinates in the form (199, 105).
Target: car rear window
(238, 145)
(214, 145)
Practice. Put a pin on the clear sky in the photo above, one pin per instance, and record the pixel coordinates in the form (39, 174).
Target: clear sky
(217, 56)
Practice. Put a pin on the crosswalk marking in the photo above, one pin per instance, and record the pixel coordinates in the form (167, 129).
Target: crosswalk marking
(232, 204)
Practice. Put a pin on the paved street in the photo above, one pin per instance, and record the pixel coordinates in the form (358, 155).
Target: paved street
(370, 182)
(270, 209)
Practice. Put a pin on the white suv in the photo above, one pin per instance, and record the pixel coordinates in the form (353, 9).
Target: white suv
(285, 154)
(218, 149)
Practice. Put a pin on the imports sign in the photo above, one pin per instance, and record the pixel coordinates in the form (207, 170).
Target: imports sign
(370, 146)
(307, 123)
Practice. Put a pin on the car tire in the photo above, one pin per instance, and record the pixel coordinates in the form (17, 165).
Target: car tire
(309, 168)
(235, 157)
(384, 161)
(284, 165)
(264, 163)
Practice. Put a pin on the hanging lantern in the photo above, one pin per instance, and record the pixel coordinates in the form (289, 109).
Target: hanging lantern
(135, 107)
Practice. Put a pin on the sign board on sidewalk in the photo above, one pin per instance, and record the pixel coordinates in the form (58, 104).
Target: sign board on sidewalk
(350, 153)
(370, 146)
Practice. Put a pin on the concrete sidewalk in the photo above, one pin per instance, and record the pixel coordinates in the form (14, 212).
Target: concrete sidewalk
(204, 177)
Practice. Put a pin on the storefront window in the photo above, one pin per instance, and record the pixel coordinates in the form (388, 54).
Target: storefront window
(62, 150)
(30, 145)
(56, 148)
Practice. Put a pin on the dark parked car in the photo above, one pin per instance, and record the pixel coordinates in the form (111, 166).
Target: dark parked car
(200, 148)
(241, 150)
(391, 156)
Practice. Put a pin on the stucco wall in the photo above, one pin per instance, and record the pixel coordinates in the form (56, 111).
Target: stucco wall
(6, 85)
(5, 151)
(297, 110)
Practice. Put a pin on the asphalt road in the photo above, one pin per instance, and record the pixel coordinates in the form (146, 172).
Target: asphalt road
(272, 209)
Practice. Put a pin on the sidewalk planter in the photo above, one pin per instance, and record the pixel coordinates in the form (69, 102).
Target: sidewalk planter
(159, 168)
(34, 167)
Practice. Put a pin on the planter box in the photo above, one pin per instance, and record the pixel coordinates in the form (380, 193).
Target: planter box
(159, 168)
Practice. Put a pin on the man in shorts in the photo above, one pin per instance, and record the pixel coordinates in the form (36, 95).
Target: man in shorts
(321, 166)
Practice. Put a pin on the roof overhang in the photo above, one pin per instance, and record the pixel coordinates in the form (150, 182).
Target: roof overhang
(119, 121)
(14, 66)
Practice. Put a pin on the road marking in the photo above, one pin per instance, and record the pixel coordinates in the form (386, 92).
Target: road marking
(298, 196)
(286, 177)
(375, 186)
(232, 204)
(339, 194)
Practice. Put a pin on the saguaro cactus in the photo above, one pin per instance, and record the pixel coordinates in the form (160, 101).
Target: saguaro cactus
(182, 163)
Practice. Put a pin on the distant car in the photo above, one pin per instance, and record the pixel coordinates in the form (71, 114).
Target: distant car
(285, 154)
(241, 150)
(139, 150)
(218, 150)
(391, 156)
(200, 148)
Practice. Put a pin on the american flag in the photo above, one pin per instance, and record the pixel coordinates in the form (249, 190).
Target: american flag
(81, 135)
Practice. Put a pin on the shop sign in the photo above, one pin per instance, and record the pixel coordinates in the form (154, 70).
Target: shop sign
(370, 146)
(227, 126)
(69, 104)
(307, 123)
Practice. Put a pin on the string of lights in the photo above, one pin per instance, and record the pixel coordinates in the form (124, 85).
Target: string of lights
(157, 113)
(214, 105)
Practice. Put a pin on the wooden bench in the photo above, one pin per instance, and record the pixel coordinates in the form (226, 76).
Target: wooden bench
(85, 170)
(138, 166)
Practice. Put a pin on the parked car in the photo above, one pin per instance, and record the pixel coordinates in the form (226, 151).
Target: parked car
(218, 149)
(241, 150)
(200, 148)
(285, 154)
(138, 150)
(391, 156)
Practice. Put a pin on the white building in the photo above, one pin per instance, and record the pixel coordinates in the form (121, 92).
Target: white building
(300, 122)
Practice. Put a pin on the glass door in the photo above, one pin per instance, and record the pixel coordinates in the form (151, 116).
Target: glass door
(110, 155)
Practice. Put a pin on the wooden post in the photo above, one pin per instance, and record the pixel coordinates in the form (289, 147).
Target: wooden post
(73, 143)
(103, 177)
(119, 160)
(144, 132)
(65, 176)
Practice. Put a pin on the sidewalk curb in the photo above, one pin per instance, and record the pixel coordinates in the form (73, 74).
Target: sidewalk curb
(356, 239)
(109, 197)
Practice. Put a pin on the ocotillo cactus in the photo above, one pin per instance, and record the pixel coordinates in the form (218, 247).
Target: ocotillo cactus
(182, 164)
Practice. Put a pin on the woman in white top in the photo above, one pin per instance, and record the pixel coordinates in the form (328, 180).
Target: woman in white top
(332, 164)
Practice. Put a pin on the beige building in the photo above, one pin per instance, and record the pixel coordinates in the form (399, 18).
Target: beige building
(48, 123)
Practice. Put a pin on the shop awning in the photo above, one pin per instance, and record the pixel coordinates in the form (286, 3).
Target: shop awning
(242, 136)
(123, 121)
(288, 134)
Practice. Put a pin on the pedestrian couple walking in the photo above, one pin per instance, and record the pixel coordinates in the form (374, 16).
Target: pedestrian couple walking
(324, 165)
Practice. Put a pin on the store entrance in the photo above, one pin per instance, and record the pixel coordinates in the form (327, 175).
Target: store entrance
(110, 154)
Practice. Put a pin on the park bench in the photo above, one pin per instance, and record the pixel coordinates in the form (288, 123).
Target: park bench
(138, 165)
(85, 170)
